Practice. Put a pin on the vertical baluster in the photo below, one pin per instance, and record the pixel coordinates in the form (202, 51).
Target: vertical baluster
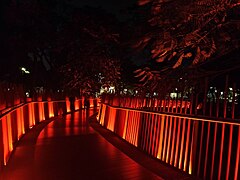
(206, 154)
(182, 143)
(145, 132)
(187, 145)
(177, 144)
(142, 130)
(131, 126)
(132, 116)
(148, 131)
(214, 149)
(153, 133)
(157, 135)
(229, 150)
(160, 147)
(221, 152)
(173, 140)
(237, 158)
(193, 147)
(126, 125)
(200, 150)
(165, 138)
(169, 138)
(135, 128)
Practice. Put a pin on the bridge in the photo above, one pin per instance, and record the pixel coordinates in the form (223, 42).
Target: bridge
(121, 138)
(44, 140)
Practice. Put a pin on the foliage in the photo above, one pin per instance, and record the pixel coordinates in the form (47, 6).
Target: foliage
(48, 37)
(187, 34)
(89, 46)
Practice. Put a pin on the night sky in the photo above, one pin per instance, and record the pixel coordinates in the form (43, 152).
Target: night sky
(112, 6)
(117, 8)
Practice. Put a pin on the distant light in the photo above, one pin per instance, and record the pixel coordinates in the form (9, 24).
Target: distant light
(8, 89)
(27, 94)
(230, 89)
(173, 95)
(24, 70)
(111, 87)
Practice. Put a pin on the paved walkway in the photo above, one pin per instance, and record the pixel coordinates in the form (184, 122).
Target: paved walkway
(68, 148)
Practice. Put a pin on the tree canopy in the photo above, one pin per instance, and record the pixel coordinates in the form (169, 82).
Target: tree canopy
(187, 34)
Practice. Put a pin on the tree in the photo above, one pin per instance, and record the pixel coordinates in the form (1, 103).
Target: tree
(187, 34)
(89, 46)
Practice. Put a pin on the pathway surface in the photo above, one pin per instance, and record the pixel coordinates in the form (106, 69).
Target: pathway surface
(68, 148)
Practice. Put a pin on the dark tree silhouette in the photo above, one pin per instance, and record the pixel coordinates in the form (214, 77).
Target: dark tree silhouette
(187, 34)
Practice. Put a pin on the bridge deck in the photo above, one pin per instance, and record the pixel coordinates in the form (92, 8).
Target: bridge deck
(68, 148)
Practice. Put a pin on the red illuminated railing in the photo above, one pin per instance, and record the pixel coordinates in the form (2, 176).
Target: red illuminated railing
(15, 122)
(205, 147)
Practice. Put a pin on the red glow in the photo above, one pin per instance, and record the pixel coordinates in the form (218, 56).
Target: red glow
(221, 152)
(7, 137)
(76, 104)
(169, 140)
(112, 118)
(41, 111)
(132, 128)
(76, 119)
(178, 139)
(103, 114)
(165, 139)
(200, 152)
(68, 105)
(161, 138)
(187, 147)
(20, 124)
(214, 149)
(229, 150)
(238, 157)
(182, 142)
(50, 109)
(206, 156)
(125, 125)
(173, 140)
